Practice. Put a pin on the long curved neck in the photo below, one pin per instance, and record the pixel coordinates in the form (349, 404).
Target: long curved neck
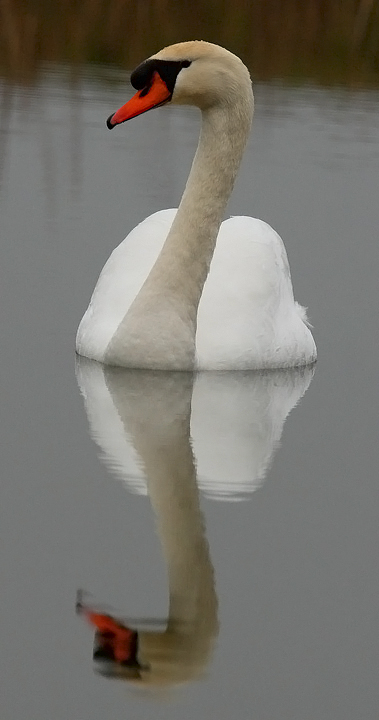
(160, 327)
(192, 238)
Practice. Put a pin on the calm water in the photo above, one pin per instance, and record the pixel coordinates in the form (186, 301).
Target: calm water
(279, 613)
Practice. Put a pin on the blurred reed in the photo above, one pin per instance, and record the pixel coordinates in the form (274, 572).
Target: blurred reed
(325, 41)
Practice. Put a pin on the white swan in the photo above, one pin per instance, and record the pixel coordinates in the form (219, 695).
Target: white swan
(155, 306)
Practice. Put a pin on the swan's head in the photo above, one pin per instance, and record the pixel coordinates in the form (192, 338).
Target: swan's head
(190, 73)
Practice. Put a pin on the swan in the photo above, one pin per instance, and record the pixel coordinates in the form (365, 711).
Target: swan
(172, 298)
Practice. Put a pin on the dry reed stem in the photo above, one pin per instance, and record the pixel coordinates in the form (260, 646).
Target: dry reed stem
(324, 40)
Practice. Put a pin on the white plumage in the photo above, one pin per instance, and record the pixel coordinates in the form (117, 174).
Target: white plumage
(247, 317)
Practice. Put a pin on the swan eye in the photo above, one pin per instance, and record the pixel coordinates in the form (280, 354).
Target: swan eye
(186, 63)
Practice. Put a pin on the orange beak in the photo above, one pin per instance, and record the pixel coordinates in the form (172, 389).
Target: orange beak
(146, 99)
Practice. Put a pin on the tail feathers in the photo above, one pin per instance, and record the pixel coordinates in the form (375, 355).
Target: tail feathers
(302, 311)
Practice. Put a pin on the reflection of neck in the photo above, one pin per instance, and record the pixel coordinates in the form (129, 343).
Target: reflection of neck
(174, 496)
(157, 416)
(160, 326)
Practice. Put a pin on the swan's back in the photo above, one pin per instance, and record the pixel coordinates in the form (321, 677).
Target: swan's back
(119, 283)
(247, 317)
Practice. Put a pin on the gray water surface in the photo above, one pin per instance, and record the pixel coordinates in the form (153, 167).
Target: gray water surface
(295, 618)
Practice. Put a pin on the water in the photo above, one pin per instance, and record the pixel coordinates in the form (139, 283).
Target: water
(279, 620)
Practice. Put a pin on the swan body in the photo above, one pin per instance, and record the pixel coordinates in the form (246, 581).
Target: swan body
(184, 290)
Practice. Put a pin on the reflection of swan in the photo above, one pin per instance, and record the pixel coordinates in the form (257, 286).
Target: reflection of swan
(154, 409)
(236, 424)
(154, 306)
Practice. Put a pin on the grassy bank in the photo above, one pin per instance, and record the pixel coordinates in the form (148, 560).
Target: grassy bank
(325, 41)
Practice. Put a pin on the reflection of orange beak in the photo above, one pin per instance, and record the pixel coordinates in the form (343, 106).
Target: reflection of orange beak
(113, 640)
(144, 100)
